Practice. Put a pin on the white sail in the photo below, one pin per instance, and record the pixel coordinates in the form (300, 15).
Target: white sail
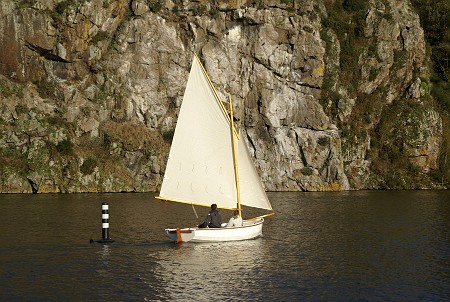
(252, 191)
(200, 168)
(200, 165)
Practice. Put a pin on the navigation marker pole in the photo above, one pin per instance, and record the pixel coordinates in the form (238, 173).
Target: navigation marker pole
(105, 225)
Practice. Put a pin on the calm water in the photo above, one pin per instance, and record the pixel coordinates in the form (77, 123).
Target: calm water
(351, 246)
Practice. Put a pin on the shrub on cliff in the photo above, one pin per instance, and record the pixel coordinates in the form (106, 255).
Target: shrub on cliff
(88, 166)
(65, 147)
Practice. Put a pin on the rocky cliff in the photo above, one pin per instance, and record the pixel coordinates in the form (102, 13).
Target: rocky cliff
(331, 94)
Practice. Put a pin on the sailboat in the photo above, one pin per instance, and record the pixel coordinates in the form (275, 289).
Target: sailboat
(209, 163)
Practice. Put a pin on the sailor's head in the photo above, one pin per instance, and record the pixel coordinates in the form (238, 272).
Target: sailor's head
(213, 206)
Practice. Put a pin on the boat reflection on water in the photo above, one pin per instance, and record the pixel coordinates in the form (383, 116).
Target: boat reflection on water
(203, 270)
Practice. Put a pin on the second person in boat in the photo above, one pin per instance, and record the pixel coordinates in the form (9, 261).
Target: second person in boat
(213, 219)
(235, 221)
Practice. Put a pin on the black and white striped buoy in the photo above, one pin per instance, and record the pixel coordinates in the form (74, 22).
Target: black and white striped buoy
(105, 225)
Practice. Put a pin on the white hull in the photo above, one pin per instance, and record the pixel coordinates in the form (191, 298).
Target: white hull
(250, 230)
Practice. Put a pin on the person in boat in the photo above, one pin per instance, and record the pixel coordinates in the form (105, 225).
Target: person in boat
(235, 221)
(213, 219)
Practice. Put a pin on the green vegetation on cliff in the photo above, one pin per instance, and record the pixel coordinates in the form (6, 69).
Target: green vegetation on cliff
(369, 95)
(435, 20)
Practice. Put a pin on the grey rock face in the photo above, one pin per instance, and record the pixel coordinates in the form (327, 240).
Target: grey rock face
(108, 77)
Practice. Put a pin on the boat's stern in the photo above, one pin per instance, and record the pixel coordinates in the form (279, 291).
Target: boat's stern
(180, 235)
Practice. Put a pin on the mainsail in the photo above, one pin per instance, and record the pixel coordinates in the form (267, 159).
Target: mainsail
(200, 168)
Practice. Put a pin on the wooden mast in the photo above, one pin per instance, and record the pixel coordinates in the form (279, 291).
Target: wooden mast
(236, 173)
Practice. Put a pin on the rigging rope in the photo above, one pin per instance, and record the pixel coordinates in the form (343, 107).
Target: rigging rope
(194, 210)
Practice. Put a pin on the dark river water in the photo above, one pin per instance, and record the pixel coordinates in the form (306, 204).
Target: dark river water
(346, 246)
